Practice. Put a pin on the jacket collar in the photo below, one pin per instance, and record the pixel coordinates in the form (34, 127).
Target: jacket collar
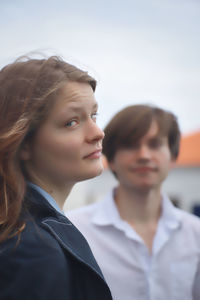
(46, 195)
(68, 236)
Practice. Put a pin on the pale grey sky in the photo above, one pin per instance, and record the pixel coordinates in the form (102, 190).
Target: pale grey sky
(145, 51)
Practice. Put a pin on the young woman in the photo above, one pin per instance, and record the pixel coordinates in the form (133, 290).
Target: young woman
(49, 140)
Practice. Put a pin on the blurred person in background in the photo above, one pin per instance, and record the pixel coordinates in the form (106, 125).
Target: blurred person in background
(49, 140)
(147, 248)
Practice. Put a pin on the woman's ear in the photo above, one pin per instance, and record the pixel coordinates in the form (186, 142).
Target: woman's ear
(24, 153)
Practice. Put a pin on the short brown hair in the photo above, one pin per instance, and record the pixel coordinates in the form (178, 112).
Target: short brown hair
(28, 89)
(130, 124)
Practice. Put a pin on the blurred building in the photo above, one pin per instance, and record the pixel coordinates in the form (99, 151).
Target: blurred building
(182, 185)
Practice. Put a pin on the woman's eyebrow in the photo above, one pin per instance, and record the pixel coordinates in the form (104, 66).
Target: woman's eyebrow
(80, 106)
(76, 107)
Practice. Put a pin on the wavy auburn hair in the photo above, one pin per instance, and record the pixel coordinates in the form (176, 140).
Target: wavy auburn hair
(28, 88)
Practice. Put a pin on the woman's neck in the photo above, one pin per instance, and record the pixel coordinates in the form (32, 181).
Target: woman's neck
(57, 191)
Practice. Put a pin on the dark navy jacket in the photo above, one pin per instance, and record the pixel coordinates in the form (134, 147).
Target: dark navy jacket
(52, 259)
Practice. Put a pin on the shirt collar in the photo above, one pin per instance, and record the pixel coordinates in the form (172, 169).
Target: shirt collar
(107, 212)
(47, 196)
(170, 216)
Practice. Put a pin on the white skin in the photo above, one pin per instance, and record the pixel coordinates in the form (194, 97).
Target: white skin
(140, 170)
(67, 146)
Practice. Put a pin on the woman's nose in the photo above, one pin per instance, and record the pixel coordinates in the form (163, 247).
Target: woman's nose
(95, 133)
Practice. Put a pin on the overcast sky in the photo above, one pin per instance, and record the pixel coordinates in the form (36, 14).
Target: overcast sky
(140, 51)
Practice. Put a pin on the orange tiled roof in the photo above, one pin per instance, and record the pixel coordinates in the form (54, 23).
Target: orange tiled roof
(190, 150)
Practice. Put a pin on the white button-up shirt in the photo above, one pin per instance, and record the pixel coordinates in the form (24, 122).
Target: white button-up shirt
(170, 272)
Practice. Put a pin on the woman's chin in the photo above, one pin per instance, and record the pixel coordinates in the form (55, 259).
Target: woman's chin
(92, 173)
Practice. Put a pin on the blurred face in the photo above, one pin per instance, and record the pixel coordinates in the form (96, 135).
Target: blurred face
(146, 163)
(67, 146)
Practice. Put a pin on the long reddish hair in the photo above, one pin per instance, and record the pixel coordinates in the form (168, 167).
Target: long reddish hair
(28, 88)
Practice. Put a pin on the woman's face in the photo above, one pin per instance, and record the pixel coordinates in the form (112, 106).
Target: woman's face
(67, 147)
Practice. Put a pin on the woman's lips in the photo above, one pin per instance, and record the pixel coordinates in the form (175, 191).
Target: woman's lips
(95, 154)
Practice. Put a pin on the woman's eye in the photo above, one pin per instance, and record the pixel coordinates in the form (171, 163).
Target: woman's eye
(94, 116)
(71, 123)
